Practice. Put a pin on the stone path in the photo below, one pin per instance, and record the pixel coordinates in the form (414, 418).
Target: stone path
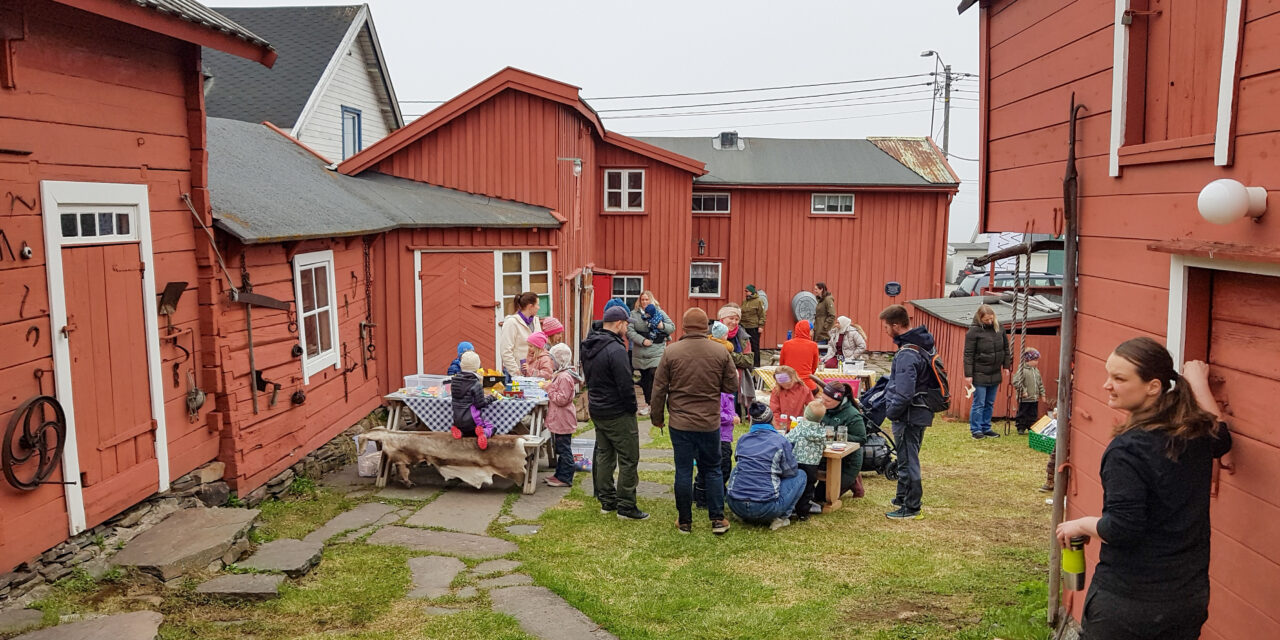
(292, 557)
(19, 619)
(468, 511)
(362, 515)
(139, 625)
(544, 614)
(186, 541)
(461, 544)
(243, 586)
(432, 575)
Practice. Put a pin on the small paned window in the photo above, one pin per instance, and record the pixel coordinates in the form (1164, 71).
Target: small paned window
(624, 190)
(628, 288)
(317, 318)
(711, 203)
(526, 271)
(832, 203)
(96, 226)
(704, 279)
(351, 142)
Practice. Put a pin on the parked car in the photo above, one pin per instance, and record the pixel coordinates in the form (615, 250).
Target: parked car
(977, 282)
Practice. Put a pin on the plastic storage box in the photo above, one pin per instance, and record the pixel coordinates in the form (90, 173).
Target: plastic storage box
(583, 451)
(424, 380)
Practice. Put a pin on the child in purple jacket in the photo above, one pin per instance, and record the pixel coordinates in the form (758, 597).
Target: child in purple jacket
(728, 420)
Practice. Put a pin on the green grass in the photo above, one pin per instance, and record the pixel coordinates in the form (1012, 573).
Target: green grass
(300, 514)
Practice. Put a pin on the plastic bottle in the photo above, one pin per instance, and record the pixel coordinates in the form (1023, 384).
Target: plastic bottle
(1073, 565)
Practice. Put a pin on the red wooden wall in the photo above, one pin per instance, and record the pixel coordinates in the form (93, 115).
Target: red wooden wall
(95, 101)
(1034, 55)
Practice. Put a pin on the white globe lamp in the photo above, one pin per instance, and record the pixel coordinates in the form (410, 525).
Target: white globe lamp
(1225, 200)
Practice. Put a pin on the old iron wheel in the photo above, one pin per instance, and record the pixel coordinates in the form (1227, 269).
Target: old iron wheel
(34, 441)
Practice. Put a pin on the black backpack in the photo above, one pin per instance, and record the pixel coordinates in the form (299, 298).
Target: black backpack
(936, 392)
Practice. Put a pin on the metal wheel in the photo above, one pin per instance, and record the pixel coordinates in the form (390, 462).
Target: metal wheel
(37, 430)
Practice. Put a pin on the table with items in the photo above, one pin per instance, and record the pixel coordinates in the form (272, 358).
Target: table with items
(860, 379)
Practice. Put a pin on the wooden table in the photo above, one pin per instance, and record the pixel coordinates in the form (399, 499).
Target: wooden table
(832, 474)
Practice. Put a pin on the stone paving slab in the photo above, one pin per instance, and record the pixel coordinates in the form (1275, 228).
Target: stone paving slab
(510, 580)
(139, 625)
(544, 614)
(243, 586)
(655, 466)
(532, 506)
(523, 529)
(432, 575)
(461, 544)
(645, 489)
(292, 557)
(494, 566)
(462, 510)
(19, 619)
(440, 611)
(345, 479)
(186, 541)
(361, 516)
(466, 593)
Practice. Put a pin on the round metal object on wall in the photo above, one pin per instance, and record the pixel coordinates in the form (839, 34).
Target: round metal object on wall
(804, 305)
(893, 289)
(36, 433)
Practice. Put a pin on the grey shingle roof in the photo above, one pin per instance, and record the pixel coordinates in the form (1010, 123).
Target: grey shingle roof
(203, 16)
(959, 311)
(305, 37)
(795, 161)
(266, 188)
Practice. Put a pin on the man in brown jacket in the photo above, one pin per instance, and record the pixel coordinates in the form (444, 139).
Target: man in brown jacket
(687, 386)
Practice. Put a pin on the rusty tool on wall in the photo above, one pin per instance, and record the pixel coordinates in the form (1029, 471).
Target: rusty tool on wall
(261, 384)
(366, 346)
(245, 295)
(345, 370)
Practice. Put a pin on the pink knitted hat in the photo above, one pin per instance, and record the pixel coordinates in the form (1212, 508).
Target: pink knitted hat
(537, 339)
(551, 326)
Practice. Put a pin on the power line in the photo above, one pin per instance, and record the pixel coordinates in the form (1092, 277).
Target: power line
(759, 100)
(774, 88)
(769, 124)
(834, 104)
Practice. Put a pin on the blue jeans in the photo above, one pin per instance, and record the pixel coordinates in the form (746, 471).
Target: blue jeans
(789, 490)
(563, 443)
(704, 446)
(908, 439)
(984, 403)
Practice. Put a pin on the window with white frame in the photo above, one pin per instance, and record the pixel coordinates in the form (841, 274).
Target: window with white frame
(832, 203)
(99, 224)
(522, 271)
(628, 288)
(624, 190)
(704, 279)
(313, 284)
(351, 142)
(710, 202)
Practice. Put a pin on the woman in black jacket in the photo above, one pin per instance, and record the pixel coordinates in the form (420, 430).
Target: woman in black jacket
(1152, 578)
(986, 353)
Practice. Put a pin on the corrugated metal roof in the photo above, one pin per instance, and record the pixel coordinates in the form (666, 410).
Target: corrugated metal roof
(306, 38)
(204, 16)
(919, 155)
(266, 188)
(959, 311)
(796, 161)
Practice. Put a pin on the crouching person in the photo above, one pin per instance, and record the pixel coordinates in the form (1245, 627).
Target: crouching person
(764, 485)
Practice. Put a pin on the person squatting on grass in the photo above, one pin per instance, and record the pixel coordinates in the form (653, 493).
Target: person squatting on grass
(562, 420)
(1152, 577)
(693, 373)
(909, 378)
(765, 484)
(611, 400)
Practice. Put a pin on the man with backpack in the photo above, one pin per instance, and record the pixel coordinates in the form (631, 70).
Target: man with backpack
(917, 389)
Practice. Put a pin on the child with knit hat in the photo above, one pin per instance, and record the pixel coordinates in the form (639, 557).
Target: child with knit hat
(468, 400)
(554, 330)
(538, 362)
(1030, 388)
(562, 421)
(720, 335)
(456, 365)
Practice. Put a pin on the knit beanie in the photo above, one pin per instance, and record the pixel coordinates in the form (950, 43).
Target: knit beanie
(729, 310)
(562, 354)
(537, 339)
(760, 413)
(695, 321)
(551, 326)
(751, 288)
(615, 302)
(1030, 354)
(718, 330)
(650, 309)
(464, 347)
(470, 361)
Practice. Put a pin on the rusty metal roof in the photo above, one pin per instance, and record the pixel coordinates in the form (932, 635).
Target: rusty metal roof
(920, 155)
(192, 11)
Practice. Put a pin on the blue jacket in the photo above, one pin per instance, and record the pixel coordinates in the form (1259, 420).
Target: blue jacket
(909, 376)
(764, 459)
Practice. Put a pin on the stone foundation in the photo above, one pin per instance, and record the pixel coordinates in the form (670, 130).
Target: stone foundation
(91, 550)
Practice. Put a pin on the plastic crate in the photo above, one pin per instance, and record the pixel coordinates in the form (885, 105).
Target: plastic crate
(1043, 435)
(583, 451)
(424, 380)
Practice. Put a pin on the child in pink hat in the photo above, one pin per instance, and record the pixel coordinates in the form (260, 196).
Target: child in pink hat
(538, 363)
(554, 330)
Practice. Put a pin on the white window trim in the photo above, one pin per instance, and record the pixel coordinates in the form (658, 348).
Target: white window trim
(116, 238)
(499, 310)
(719, 280)
(1232, 27)
(357, 144)
(314, 365)
(715, 193)
(1180, 267)
(624, 191)
(853, 204)
(624, 296)
(56, 195)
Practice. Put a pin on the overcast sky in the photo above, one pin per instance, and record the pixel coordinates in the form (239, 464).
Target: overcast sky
(436, 50)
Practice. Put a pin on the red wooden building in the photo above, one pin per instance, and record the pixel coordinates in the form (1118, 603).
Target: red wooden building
(1178, 94)
(102, 154)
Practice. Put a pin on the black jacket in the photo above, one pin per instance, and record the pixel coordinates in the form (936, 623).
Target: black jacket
(467, 392)
(607, 368)
(986, 352)
(911, 375)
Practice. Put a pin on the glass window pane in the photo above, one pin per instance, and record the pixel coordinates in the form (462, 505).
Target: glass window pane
(70, 228)
(635, 199)
(308, 291)
(105, 221)
(511, 262)
(88, 224)
(511, 285)
(613, 200)
(722, 203)
(313, 342)
(613, 179)
(538, 261)
(538, 283)
(635, 179)
(819, 203)
(122, 224)
(508, 306)
(322, 286)
(326, 339)
(619, 286)
(697, 202)
(633, 286)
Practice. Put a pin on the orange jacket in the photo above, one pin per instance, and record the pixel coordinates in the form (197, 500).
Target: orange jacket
(789, 403)
(801, 353)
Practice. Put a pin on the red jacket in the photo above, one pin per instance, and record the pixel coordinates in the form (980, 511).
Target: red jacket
(789, 403)
(801, 353)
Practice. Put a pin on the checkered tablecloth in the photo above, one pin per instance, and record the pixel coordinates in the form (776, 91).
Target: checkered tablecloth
(436, 414)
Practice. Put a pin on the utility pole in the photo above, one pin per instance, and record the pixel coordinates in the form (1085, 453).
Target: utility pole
(946, 112)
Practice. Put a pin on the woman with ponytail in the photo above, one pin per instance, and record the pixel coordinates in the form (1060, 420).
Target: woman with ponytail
(1152, 578)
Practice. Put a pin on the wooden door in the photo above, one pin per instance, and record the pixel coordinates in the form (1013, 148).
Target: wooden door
(457, 304)
(1244, 359)
(107, 339)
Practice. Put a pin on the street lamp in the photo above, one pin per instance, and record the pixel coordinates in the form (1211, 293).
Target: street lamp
(946, 99)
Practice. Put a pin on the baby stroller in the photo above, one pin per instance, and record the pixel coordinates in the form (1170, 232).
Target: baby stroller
(879, 453)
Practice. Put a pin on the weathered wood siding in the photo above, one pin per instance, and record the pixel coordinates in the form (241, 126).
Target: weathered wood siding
(355, 84)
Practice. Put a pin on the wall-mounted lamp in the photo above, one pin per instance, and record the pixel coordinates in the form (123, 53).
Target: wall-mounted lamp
(577, 165)
(1224, 201)
(702, 247)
